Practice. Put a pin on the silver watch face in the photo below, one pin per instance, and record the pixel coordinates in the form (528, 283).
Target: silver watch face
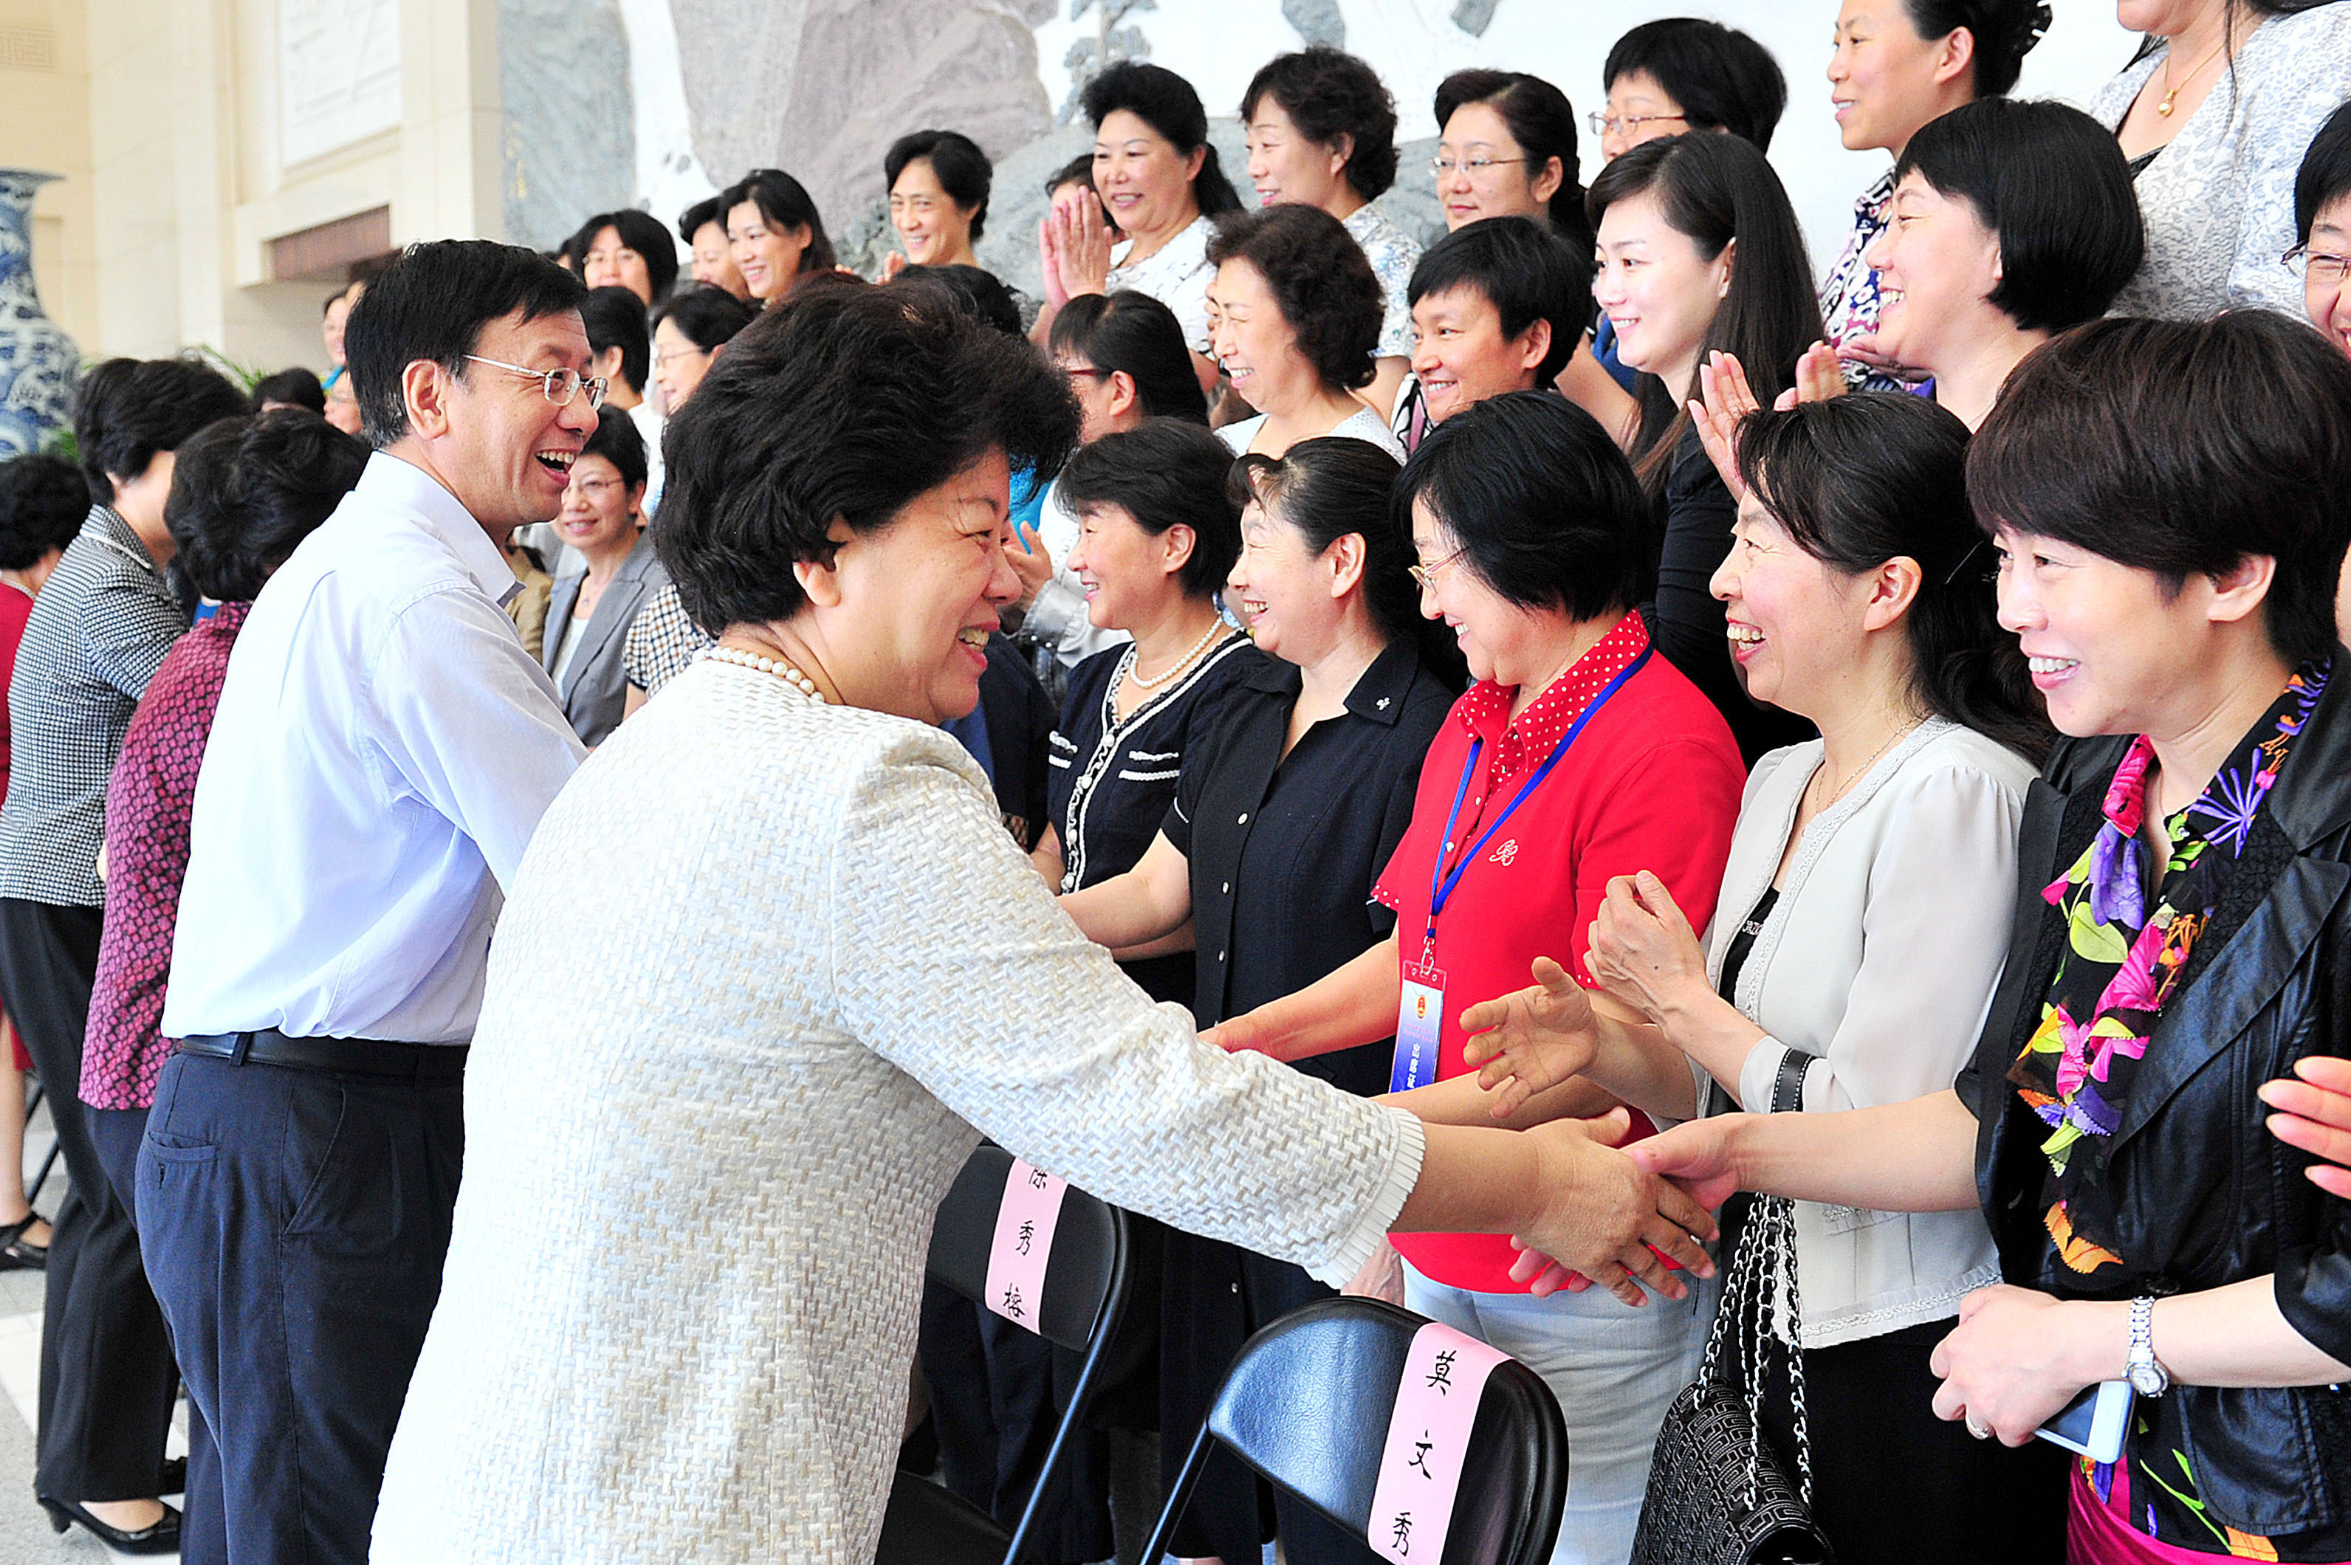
(2147, 1379)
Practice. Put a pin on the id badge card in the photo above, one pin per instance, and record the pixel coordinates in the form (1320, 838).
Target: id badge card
(1420, 1019)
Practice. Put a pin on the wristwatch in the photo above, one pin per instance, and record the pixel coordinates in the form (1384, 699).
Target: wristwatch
(2148, 1377)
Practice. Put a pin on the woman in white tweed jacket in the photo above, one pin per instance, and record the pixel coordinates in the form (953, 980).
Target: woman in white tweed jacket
(801, 964)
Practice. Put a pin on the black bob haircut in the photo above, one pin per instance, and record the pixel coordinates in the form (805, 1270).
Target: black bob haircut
(709, 210)
(298, 388)
(980, 293)
(1318, 275)
(431, 303)
(126, 411)
(1165, 102)
(2004, 32)
(615, 318)
(1723, 79)
(838, 404)
(618, 441)
(639, 232)
(2324, 177)
(784, 204)
(2180, 448)
(246, 491)
(1164, 472)
(2053, 184)
(43, 501)
(1860, 480)
(1543, 503)
(707, 317)
(1524, 271)
(1132, 331)
(1329, 93)
(1541, 121)
(961, 169)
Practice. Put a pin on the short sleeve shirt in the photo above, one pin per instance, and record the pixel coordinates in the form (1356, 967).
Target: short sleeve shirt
(1393, 254)
(147, 805)
(1652, 784)
(1283, 849)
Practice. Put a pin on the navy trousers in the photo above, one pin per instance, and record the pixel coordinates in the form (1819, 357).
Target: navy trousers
(295, 1223)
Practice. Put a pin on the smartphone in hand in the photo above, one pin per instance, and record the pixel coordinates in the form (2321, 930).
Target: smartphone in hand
(2096, 1423)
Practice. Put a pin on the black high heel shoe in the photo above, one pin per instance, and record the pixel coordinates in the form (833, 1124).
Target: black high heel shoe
(16, 1252)
(163, 1535)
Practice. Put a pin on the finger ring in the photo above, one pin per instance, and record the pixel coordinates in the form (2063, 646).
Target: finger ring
(1978, 1431)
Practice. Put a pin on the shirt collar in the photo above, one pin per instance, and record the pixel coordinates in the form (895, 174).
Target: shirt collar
(105, 525)
(1485, 711)
(399, 484)
(1380, 691)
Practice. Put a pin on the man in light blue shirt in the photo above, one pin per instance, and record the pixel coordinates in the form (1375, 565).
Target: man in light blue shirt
(383, 750)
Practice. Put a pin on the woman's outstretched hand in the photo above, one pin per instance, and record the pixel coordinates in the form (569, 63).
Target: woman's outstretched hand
(1606, 1218)
(1531, 1039)
(1726, 398)
(1643, 952)
(2313, 1113)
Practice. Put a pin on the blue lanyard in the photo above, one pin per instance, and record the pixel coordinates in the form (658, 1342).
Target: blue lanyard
(1441, 883)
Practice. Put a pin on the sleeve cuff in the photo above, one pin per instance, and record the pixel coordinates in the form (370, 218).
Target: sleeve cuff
(1757, 1074)
(1371, 1231)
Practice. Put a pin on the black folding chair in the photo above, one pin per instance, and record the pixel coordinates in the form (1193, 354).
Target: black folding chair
(1306, 1406)
(1084, 1297)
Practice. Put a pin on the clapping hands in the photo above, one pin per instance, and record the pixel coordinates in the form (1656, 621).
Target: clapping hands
(1530, 1039)
(1073, 244)
(1643, 952)
(1726, 399)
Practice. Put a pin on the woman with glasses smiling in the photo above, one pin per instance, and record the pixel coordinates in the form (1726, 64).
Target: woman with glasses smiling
(2322, 221)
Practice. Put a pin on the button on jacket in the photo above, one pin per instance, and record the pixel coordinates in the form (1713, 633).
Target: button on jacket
(383, 750)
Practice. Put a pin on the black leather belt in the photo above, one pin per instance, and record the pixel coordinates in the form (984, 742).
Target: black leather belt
(372, 1058)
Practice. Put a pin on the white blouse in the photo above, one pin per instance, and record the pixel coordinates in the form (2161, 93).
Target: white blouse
(1361, 426)
(1879, 958)
(1177, 274)
(799, 967)
(2219, 200)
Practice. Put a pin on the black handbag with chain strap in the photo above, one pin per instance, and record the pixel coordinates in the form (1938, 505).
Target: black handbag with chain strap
(1719, 1490)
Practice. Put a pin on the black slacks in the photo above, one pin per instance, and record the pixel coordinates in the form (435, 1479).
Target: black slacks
(295, 1224)
(107, 1376)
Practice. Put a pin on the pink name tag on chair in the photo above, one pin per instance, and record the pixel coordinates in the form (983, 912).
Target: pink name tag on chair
(1024, 1241)
(1428, 1436)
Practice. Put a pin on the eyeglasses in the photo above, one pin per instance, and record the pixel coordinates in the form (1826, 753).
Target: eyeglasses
(1427, 575)
(1441, 166)
(1073, 372)
(666, 355)
(561, 386)
(1603, 122)
(2317, 265)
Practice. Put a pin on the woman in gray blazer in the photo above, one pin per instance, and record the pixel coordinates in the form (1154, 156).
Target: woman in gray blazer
(588, 615)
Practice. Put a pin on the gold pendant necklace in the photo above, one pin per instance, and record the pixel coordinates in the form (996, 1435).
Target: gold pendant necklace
(2163, 106)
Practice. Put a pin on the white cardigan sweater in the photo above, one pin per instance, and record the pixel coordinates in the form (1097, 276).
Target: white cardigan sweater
(1880, 958)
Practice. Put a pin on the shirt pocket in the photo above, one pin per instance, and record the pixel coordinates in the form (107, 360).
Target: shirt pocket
(1152, 767)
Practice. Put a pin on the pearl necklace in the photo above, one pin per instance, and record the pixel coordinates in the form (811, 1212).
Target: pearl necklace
(1134, 665)
(783, 668)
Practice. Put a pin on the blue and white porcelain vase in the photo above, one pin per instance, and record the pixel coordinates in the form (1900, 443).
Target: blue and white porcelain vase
(38, 363)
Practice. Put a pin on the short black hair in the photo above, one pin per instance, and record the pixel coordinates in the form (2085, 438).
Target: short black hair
(1165, 102)
(1318, 275)
(1162, 473)
(961, 169)
(297, 388)
(615, 318)
(784, 203)
(709, 210)
(1524, 271)
(838, 404)
(618, 441)
(246, 491)
(1543, 505)
(641, 232)
(976, 290)
(431, 303)
(2053, 184)
(2004, 32)
(1541, 121)
(2325, 176)
(1723, 79)
(126, 411)
(2180, 448)
(707, 317)
(1132, 331)
(1329, 93)
(1858, 481)
(43, 502)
